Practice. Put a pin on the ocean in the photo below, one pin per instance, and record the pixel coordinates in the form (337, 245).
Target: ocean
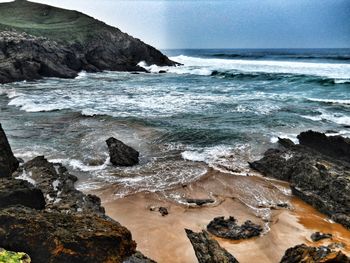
(219, 110)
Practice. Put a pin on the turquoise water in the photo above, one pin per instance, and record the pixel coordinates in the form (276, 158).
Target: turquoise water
(220, 109)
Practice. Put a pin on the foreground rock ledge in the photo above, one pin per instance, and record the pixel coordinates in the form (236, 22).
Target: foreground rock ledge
(8, 162)
(57, 237)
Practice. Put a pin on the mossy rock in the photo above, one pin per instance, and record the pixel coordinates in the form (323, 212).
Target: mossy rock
(13, 257)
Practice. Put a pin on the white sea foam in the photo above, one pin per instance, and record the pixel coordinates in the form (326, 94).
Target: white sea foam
(79, 165)
(292, 137)
(223, 158)
(338, 118)
(202, 66)
(26, 177)
(331, 101)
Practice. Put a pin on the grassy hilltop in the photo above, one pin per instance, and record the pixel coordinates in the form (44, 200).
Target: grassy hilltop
(55, 23)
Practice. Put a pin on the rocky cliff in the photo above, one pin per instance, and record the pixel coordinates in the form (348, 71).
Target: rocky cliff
(38, 40)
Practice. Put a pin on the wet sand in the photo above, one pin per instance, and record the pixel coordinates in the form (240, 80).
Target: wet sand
(244, 197)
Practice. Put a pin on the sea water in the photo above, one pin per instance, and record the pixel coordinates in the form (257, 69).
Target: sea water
(220, 109)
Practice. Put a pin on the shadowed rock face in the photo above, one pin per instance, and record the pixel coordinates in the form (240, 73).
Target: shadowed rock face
(303, 253)
(207, 249)
(19, 192)
(60, 43)
(8, 162)
(315, 176)
(58, 237)
(122, 154)
(228, 228)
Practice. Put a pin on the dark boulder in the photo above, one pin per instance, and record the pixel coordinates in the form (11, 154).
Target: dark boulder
(303, 254)
(163, 211)
(333, 146)
(8, 162)
(208, 250)
(122, 154)
(18, 192)
(58, 187)
(317, 236)
(59, 237)
(228, 228)
(318, 179)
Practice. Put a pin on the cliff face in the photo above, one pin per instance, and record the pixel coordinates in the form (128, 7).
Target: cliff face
(38, 40)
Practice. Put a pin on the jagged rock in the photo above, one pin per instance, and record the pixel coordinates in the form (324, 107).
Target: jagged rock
(200, 202)
(8, 162)
(122, 154)
(59, 237)
(138, 257)
(58, 188)
(317, 236)
(228, 228)
(303, 254)
(60, 43)
(333, 146)
(13, 257)
(208, 250)
(18, 192)
(320, 180)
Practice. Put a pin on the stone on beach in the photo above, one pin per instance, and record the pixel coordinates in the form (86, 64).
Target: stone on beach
(228, 228)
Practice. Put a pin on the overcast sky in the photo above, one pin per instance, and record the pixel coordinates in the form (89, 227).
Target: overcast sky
(224, 23)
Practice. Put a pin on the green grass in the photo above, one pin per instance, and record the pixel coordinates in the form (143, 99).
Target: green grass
(51, 22)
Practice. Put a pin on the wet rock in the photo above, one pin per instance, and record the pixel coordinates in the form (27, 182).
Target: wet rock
(18, 192)
(317, 178)
(58, 188)
(200, 202)
(317, 236)
(333, 146)
(162, 71)
(285, 142)
(13, 257)
(303, 254)
(208, 250)
(59, 237)
(138, 257)
(228, 228)
(122, 154)
(163, 211)
(8, 162)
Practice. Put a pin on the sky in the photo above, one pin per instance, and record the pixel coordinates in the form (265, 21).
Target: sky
(169, 24)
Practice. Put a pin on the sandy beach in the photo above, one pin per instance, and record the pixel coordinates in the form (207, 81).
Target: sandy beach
(163, 238)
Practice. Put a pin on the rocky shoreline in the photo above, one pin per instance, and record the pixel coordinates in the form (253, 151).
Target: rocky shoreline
(44, 216)
(64, 50)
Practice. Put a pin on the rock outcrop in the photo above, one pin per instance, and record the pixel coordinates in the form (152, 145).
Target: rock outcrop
(208, 250)
(228, 228)
(8, 162)
(303, 254)
(317, 177)
(334, 146)
(58, 188)
(317, 236)
(121, 154)
(59, 237)
(60, 43)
